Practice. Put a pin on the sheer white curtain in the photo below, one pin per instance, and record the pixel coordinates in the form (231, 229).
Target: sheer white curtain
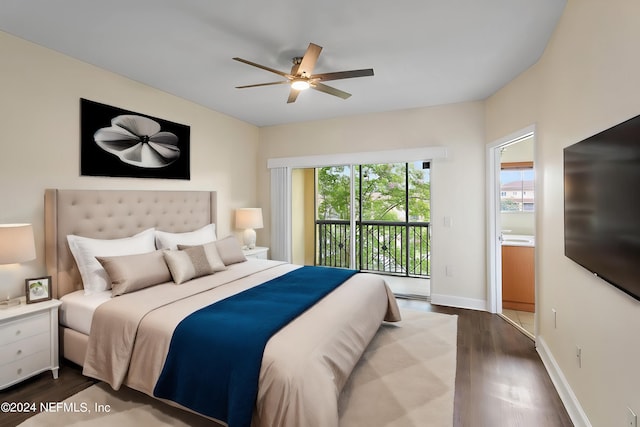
(281, 214)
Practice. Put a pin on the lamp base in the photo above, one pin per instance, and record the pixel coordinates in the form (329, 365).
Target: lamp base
(9, 303)
(250, 238)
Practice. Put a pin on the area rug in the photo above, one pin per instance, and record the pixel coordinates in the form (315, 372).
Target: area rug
(405, 378)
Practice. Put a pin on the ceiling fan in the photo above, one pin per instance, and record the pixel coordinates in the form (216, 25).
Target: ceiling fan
(301, 76)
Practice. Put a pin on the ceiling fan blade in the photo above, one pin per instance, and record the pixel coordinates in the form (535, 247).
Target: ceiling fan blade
(343, 75)
(283, 74)
(330, 90)
(293, 95)
(264, 84)
(309, 60)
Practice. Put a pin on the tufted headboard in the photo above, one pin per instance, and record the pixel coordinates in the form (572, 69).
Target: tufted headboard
(112, 214)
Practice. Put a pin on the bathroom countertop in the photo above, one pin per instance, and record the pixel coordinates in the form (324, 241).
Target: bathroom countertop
(518, 240)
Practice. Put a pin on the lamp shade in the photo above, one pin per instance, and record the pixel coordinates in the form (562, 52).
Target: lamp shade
(16, 243)
(249, 218)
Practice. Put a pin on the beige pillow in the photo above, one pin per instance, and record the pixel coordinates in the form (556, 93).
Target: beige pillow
(129, 273)
(230, 250)
(188, 264)
(211, 252)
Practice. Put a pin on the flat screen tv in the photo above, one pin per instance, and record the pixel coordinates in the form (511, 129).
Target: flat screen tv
(602, 205)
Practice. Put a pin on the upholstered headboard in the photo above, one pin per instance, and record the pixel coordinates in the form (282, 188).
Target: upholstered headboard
(112, 214)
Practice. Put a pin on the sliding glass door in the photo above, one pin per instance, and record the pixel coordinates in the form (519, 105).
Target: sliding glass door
(374, 217)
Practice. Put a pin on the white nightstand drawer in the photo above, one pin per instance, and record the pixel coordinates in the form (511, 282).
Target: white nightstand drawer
(24, 328)
(14, 372)
(259, 252)
(26, 347)
(28, 341)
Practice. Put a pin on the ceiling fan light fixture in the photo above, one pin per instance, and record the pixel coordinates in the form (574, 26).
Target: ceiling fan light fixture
(300, 84)
(302, 78)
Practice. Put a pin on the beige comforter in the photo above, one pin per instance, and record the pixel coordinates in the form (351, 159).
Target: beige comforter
(304, 366)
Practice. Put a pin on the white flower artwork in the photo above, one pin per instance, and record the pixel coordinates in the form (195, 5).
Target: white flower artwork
(138, 141)
(115, 142)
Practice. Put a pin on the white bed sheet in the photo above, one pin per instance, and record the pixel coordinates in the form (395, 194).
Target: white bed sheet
(76, 311)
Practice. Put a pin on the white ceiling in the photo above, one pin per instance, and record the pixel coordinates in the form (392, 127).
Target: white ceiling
(423, 52)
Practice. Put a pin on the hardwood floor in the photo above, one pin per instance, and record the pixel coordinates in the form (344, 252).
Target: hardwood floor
(500, 379)
(42, 389)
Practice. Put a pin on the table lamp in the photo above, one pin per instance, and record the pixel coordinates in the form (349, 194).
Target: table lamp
(16, 246)
(249, 219)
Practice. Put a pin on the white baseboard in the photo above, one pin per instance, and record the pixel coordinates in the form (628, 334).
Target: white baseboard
(459, 302)
(569, 399)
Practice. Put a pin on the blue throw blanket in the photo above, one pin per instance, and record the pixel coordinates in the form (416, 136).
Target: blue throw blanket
(214, 358)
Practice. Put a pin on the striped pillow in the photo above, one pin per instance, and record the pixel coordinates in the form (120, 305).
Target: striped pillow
(192, 262)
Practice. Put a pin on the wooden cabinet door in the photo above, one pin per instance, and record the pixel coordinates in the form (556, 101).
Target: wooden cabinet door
(518, 278)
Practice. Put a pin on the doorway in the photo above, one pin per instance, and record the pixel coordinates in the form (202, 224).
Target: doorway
(511, 237)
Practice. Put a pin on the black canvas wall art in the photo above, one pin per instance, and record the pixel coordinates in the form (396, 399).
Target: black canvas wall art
(121, 143)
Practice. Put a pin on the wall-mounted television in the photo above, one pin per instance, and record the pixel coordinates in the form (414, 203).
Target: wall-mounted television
(602, 205)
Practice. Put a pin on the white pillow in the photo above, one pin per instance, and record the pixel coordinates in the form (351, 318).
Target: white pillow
(85, 250)
(166, 240)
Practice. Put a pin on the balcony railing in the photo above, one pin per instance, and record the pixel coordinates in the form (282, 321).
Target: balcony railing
(396, 248)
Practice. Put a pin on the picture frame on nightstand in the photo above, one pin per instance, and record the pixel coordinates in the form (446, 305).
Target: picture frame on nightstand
(38, 289)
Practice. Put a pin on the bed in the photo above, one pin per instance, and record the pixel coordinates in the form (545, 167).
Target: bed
(125, 340)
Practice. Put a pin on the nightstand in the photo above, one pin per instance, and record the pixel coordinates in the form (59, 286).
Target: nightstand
(28, 341)
(259, 252)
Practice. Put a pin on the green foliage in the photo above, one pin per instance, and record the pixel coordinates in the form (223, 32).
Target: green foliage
(333, 192)
(383, 193)
(419, 196)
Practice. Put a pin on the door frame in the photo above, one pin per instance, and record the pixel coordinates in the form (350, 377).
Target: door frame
(494, 248)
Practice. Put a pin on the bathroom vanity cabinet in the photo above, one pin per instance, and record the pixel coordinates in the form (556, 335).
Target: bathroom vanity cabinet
(518, 278)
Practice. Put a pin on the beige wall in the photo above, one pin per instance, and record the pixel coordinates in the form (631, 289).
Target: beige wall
(586, 81)
(40, 148)
(457, 181)
(521, 151)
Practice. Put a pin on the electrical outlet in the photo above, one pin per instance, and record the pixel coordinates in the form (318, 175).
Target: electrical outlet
(555, 318)
(579, 356)
(632, 418)
(448, 270)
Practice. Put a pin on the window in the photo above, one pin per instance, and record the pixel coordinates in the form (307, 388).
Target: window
(391, 218)
(517, 193)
